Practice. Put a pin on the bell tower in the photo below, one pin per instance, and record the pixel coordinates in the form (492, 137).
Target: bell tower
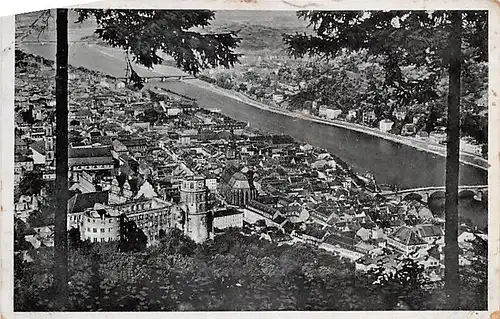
(194, 199)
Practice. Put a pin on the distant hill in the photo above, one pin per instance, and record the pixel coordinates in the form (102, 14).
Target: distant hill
(259, 30)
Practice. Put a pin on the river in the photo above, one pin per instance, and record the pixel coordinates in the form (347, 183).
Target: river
(390, 162)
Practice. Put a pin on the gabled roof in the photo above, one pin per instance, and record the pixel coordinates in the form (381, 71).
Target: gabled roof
(38, 146)
(429, 231)
(134, 142)
(94, 151)
(279, 219)
(407, 236)
(226, 212)
(90, 161)
(80, 202)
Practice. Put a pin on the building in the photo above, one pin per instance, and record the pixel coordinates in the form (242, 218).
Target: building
(432, 234)
(278, 98)
(153, 216)
(256, 211)
(212, 184)
(409, 129)
(329, 113)
(385, 125)
(184, 139)
(351, 115)
(86, 183)
(312, 234)
(100, 224)
(119, 148)
(192, 209)
(25, 205)
(369, 116)
(227, 218)
(239, 189)
(93, 158)
(406, 240)
(135, 145)
(50, 160)
(20, 145)
(38, 152)
(22, 163)
(79, 203)
(399, 114)
(438, 137)
(119, 193)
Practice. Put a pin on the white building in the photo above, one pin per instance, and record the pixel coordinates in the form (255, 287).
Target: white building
(385, 125)
(211, 184)
(278, 98)
(406, 240)
(227, 218)
(100, 224)
(329, 113)
(437, 137)
(351, 114)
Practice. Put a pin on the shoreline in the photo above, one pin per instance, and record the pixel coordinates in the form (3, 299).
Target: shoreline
(465, 158)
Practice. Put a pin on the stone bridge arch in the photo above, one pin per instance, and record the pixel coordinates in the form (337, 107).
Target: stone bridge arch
(467, 193)
(436, 200)
(413, 196)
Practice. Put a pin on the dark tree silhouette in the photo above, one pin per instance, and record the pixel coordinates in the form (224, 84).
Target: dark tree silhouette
(141, 33)
(431, 39)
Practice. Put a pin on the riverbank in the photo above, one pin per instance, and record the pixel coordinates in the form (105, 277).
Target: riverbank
(425, 146)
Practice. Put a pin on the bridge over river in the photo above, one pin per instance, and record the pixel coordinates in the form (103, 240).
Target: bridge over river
(478, 192)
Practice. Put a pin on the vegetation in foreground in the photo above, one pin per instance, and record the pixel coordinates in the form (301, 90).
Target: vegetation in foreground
(232, 272)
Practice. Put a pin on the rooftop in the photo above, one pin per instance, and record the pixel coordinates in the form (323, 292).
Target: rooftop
(93, 151)
(407, 236)
(80, 202)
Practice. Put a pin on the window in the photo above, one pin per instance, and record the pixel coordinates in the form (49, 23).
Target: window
(94, 230)
(102, 239)
(102, 230)
(88, 229)
(109, 229)
(94, 240)
(88, 220)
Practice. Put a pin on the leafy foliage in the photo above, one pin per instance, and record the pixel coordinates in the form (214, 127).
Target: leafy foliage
(414, 53)
(232, 272)
(31, 183)
(143, 33)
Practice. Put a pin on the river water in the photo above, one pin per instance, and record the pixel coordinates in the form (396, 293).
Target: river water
(390, 162)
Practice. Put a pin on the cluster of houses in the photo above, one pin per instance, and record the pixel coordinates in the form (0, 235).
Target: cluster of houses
(152, 160)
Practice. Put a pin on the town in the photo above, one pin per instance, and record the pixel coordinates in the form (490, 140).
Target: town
(152, 160)
(306, 87)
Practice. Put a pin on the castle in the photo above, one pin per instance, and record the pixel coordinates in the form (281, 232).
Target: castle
(193, 216)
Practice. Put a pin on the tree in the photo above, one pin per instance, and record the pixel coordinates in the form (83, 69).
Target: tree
(404, 285)
(132, 237)
(32, 183)
(141, 33)
(419, 38)
(61, 182)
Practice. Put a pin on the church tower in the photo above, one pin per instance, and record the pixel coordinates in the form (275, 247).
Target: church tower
(193, 201)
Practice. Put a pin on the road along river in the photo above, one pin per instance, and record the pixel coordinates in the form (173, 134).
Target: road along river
(390, 162)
